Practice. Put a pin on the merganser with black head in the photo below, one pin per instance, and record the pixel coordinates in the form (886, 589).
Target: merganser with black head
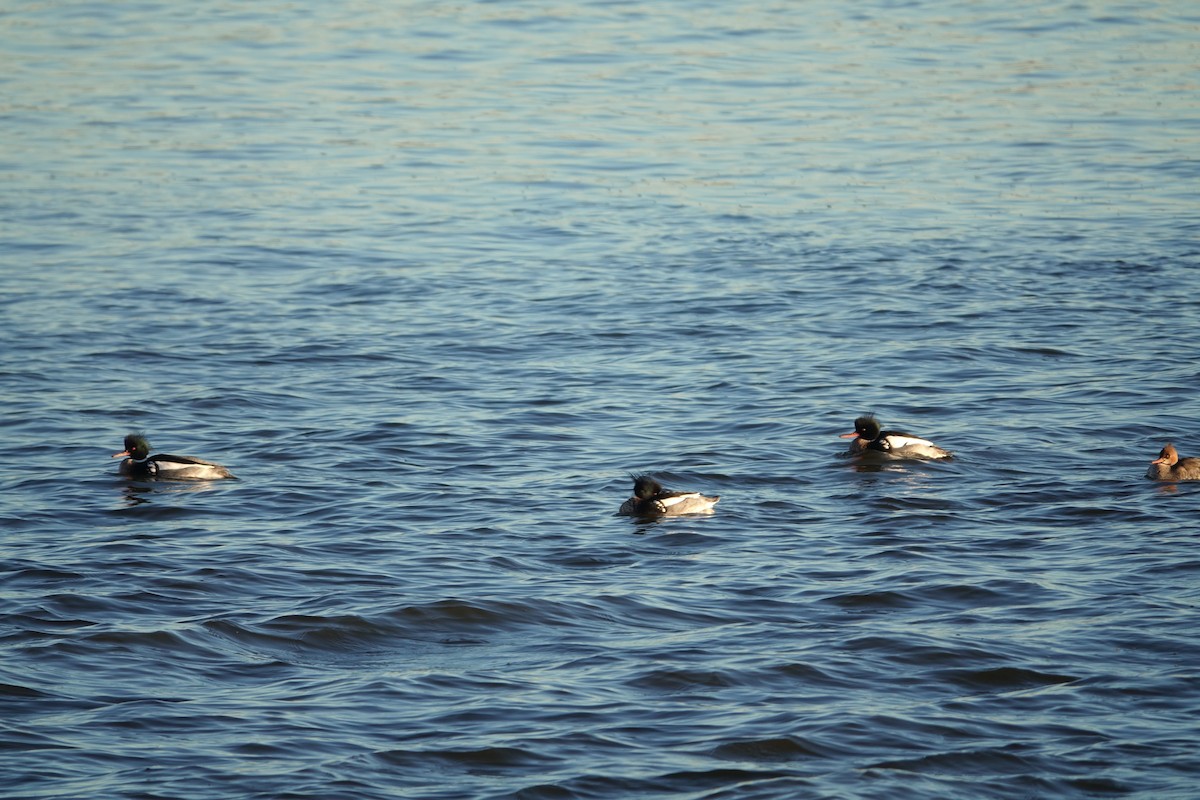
(650, 499)
(871, 440)
(1170, 467)
(140, 464)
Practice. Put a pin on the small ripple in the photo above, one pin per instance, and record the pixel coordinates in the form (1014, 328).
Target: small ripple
(13, 690)
(483, 760)
(992, 761)
(679, 680)
(1003, 679)
(23, 740)
(782, 749)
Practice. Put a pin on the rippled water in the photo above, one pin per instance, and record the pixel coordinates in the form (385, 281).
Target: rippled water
(434, 279)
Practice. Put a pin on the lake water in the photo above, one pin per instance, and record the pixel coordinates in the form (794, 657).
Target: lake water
(433, 279)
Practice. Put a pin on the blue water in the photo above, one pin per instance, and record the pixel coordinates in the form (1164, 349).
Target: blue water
(435, 279)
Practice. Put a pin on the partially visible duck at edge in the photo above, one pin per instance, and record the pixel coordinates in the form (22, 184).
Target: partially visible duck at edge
(650, 499)
(139, 463)
(871, 440)
(1170, 467)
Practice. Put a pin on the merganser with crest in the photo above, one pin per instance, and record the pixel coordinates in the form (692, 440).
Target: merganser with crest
(1170, 467)
(650, 499)
(139, 463)
(871, 439)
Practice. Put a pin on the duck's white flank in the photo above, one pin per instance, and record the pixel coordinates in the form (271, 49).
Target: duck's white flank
(690, 503)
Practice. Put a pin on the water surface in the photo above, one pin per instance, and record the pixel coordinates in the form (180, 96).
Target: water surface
(434, 280)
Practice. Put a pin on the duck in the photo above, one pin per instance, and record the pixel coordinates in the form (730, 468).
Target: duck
(871, 439)
(650, 499)
(1170, 467)
(139, 463)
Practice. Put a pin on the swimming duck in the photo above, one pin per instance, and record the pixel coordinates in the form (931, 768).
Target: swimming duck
(139, 463)
(871, 439)
(650, 499)
(1170, 467)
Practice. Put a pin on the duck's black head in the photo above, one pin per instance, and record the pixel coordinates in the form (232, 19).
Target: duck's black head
(136, 447)
(645, 487)
(867, 427)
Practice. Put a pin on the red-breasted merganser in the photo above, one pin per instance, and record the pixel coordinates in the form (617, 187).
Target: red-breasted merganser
(870, 439)
(139, 463)
(650, 499)
(1170, 467)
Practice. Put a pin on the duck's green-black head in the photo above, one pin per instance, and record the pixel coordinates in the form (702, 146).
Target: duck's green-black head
(645, 487)
(136, 447)
(867, 426)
